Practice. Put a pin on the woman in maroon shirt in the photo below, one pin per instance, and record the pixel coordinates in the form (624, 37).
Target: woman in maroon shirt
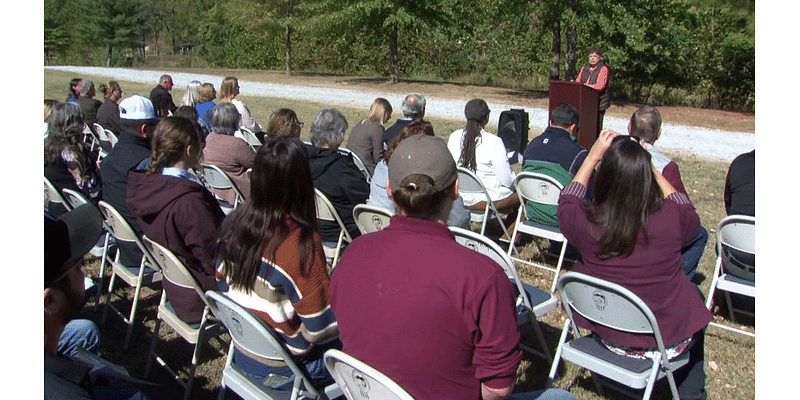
(631, 234)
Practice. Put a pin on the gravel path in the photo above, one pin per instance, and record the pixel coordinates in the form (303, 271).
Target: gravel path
(709, 143)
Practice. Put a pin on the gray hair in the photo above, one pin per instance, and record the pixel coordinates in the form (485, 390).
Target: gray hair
(328, 129)
(413, 105)
(225, 118)
(63, 116)
(190, 98)
(84, 86)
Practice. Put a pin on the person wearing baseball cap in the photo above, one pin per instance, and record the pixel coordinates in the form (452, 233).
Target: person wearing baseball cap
(137, 123)
(412, 286)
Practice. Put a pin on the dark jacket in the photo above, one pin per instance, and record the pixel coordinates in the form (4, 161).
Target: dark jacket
(558, 146)
(89, 108)
(184, 217)
(108, 116)
(343, 184)
(162, 101)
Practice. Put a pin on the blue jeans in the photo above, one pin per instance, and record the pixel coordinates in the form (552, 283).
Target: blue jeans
(692, 252)
(313, 363)
(81, 333)
(547, 394)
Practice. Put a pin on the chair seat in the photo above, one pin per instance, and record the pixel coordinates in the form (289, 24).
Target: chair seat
(131, 274)
(189, 332)
(545, 231)
(588, 353)
(542, 302)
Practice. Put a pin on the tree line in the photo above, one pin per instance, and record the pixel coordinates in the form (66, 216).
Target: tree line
(685, 52)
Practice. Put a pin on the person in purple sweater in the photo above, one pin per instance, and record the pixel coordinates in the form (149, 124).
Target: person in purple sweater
(631, 234)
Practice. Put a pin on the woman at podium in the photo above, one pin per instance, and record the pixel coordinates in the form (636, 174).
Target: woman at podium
(595, 75)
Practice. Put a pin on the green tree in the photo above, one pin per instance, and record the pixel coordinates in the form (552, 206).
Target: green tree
(113, 24)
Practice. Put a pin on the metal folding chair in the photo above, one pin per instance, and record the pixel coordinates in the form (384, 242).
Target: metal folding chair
(469, 183)
(371, 218)
(359, 381)
(326, 212)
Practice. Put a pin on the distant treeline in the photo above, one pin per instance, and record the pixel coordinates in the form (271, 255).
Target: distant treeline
(698, 53)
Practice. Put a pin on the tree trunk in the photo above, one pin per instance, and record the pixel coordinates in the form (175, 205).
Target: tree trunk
(571, 72)
(288, 39)
(393, 71)
(108, 57)
(554, 66)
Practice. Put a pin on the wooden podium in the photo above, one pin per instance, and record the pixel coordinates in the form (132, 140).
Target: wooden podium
(584, 99)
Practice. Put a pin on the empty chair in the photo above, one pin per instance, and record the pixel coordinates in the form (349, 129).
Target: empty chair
(735, 270)
(216, 178)
(532, 302)
(252, 336)
(613, 306)
(359, 381)
(250, 138)
(371, 218)
(147, 273)
(195, 334)
(469, 183)
(326, 212)
(544, 190)
(357, 161)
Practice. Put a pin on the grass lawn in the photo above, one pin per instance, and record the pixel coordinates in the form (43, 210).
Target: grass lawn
(730, 357)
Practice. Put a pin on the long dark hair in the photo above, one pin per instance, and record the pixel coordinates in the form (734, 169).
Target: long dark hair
(65, 131)
(626, 193)
(477, 113)
(281, 199)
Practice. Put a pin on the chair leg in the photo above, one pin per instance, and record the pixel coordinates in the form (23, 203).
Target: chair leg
(101, 272)
(108, 296)
(560, 262)
(135, 304)
(152, 352)
(651, 381)
(540, 335)
(730, 306)
(554, 367)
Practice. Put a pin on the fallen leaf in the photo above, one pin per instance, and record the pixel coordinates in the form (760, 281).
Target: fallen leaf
(713, 365)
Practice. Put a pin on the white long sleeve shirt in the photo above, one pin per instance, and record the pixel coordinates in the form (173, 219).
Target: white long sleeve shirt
(493, 168)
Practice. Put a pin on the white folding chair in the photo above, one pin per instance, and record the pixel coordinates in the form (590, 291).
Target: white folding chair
(105, 135)
(359, 163)
(216, 178)
(250, 138)
(326, 212)
(371, 218)
(254, 337)
(531, 302)
(611, 305)
(542, 189)
(146, 274)
(175, 272)
(359, 381)
(52, 195)
(469, 183)
(735, 270)
(90, 138)
(73, 198)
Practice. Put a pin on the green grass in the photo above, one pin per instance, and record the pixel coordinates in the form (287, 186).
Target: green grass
(730, 358)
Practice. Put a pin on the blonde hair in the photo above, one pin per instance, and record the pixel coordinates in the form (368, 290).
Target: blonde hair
(227, 89)
(172, 136)
(48, 108)
(380, 111)
(205, 93)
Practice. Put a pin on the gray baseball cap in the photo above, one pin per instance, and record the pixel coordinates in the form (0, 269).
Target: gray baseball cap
(423, 155)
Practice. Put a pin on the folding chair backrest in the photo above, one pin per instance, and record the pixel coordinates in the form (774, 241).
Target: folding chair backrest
(101, 132)
(218, 179)
(538, 188)
(468, 182)
(607, 304)
(73, 198)
(356, 160)
(326, 212)
(172, 268)
(252, 336)
(360, 381)
(736, 236)
(371, 218)
(117, 224)
(250, 138)
(53, 195)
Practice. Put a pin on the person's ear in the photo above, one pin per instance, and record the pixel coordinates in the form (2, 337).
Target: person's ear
(629, 128)
(454, 192)
(388, 189)
(51, 303)
(658, 135)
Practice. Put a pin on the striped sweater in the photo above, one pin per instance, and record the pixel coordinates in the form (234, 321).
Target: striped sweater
(295, 305)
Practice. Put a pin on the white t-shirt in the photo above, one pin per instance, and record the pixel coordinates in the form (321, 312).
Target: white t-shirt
(493, 168)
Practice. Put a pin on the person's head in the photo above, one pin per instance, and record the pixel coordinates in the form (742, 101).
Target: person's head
(188, 112)
(64, 131)
(564, 116)
(137, 115)
(284, 122)
(281, 198)
(165, 81)
(191, 96)
(85, 88)
(477, 113)
(594, 55)
(225, 119)
(380, 111)
(327, 130)
(64, 116)
(416, 127)
(229, 88)
(646, 124)
(423, 178)
(66, 240)
(626, 193)
(206, 92)
(111, 90)
(73, 87)
(413, 106)
(176, 140)
(48, 108)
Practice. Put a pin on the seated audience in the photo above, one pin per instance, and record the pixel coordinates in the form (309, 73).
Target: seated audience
(176, 211)
(228, 91)
(72, 93)
(378, 195)
(48, 109)
(272, 261)
(366, 138)
(232, 154)
(205, 94)
(740, 185)
(68, 161)
(108, 113)
(631, 234)
(407, 306)
(283, 122)
(413, 107)
(87, 102)
(334, 174)
(191, 114)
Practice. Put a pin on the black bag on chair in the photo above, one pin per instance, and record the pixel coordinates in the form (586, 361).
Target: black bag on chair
(513, 129)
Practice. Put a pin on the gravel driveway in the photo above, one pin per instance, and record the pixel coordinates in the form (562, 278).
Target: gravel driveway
(709, 143)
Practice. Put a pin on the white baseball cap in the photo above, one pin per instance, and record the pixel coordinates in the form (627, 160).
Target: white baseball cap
(138, 108)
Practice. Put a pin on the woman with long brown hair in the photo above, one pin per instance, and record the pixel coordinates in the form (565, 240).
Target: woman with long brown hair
(366, 138)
